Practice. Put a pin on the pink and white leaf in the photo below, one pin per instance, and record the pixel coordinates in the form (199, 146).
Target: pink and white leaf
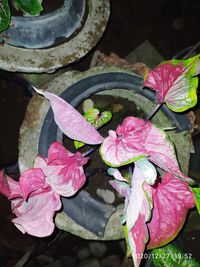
(175, 83)
(63, 169)
(121, 187)
(35, 216)
(9, 187)
(172, 198)
(116, 174)
(116, 150)
(30, 181)
(70, 121)
(135, 139)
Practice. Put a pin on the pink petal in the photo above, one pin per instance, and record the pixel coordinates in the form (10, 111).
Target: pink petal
(35, 216)
(172, 198)
(70, 121)
(9, 187)
(30, 181)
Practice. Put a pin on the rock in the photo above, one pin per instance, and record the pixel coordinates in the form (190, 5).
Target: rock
(83, 253)
(87, 104)
(107, 195)
(111, 261)
(68, 261)
(98, 249)
(90, 263)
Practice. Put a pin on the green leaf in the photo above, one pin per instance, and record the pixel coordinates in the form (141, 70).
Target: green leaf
(4, 15)
(32, 7)
(171, 256)
(196, 192)
(96, 119)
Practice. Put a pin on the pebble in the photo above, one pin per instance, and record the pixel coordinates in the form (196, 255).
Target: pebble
(107, 195)
(98, 249)
(83, 253)
(90, 263)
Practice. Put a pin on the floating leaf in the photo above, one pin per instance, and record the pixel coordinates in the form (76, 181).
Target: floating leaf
(96, 119)
(70, 121)
(196, 192)
(171, 200)
(171, 256)
(175, 83)
(32, 7)
(4, 15)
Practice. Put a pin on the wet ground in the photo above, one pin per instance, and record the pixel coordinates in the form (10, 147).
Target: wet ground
(171, 26)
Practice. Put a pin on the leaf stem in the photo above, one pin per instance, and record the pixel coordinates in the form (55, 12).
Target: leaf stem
(90, 151)
(153, 112)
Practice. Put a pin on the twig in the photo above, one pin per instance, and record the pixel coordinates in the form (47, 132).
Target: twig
(192, 50)
(25, 258)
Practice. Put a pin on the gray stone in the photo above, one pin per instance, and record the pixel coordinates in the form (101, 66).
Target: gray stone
(83, 253)
(111, 261)
(107, 195)
(90, 263)
(98, 249)
(56, 263)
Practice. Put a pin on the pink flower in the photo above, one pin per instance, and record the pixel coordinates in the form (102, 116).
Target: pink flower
(36, 197)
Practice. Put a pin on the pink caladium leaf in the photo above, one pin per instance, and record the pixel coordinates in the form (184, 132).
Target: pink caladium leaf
(138, 205)
(70, 121)
(63, 169)
(172, 198)
(9, 187)
(33, 202)
(175, 83)
(35, 216)
(135, 139)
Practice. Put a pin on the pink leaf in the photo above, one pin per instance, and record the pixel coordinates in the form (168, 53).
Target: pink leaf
(9, 187)
(30, 181)
(172, 198)
(71, 122)
(63, 169)
(136, 138)
(35, 216)
(138, 211)
(121, 187)
(174, 83)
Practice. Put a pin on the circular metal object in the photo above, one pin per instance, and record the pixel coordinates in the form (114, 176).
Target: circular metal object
(99, 221)
(48, 59)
